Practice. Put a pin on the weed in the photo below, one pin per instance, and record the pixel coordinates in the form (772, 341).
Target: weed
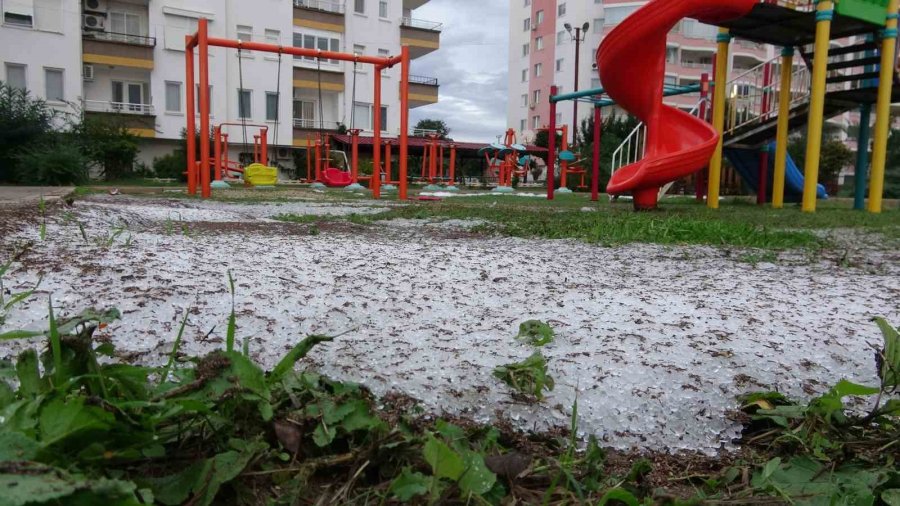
(535, 333)
(529, 377)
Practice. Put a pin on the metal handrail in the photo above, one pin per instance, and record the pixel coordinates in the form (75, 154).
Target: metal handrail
(430, 81)
(118, 107)
(314, 124)
(334, 6)
(126, 38)
(422, 24)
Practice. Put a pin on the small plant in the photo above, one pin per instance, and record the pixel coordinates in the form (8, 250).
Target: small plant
(535, 333)
(529, 377)
(42, 207)
(6, 304)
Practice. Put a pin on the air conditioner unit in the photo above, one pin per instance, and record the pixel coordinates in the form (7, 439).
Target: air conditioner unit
(96, 5)
(284, 154)
(87, 72)
(94, 22)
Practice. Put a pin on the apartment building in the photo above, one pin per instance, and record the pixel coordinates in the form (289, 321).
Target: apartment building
(542, 52)
(125, 58)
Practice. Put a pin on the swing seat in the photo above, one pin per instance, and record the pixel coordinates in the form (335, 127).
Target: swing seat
(336, 178)
(257, 174)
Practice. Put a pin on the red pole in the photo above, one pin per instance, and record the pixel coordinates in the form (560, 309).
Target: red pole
(203, 34)
(375, 182)
(432, 167)
(308, 159)
(224, 154)
(404, 118)
(764, 152)
(452, 164)
(700, 176)
(551, 148)
(354, 155)
(217, 153)
(441, 163)
(595, 166)
(424, 161)
(191, 119)
(264, 146)
(387, 162)
(318, 160)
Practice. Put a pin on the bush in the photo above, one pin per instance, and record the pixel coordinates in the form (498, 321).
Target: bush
(24, 121)
(55, 163)
(171, 166)
(108, 145)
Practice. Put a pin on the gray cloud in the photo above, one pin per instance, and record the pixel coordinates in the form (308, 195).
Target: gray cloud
(471, 66)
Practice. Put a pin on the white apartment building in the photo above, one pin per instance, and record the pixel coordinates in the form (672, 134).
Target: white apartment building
(542, 53)
(125, 58)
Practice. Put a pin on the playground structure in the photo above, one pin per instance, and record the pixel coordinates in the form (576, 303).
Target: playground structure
(503, 161)
(225, 169)
(433, 164)
(762, 104)
(199, 171)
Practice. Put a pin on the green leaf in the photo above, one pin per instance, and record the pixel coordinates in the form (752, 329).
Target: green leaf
(619, 495)
(19, 334)
(27, 371)
(890, 369)
(529, 376)
(891, 497)
(42, 485)
(445, 463)
(62, 420)
(15, 446)
(535, 333)
(88, 316)
(409, 485)
(298, 352)
(771, 466)
(846, 388)
(477, 479)
(324, 435)
(360, 418)
(232, 325)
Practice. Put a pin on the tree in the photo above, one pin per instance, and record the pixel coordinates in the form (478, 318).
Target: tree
(108, 145)
(892, 167)
(615, 129)
(24, 122)
(436, 125)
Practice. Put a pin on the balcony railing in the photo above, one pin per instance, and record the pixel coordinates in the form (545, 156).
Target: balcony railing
(696, 65)
(125, 38)
(428, 81)
(422, 24)
(313, 124)
(118, 107)
(321, 5)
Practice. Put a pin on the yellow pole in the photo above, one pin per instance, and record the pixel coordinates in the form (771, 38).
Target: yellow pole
(721, 82)
(883, 109)
(781, 137)
(824, 14)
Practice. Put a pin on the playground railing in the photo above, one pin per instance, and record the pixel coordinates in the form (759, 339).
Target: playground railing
(753, 96)
(321, 5)
(421, 24)
(799, 5)
(118, 107)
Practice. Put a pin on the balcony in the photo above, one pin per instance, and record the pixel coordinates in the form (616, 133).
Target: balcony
(413, 4)
(119, 108)
(307, 129)
(139, 119)
(422, 91)
(118, 49)
(420, 35)
(320, 14)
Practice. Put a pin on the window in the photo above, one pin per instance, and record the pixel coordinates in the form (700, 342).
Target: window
(272, 100)
(130, 96)
(559, 64)
(539, 18)
(173, 96)
(538, 69)
(524, 75)
(359, 50)
(535, 122)
(314, 42)
(176, 28)
(197, 98)
(359, 6)
(384, 115)
(15, 76)
(561, 10)
(245, 34)
(245, 105)
(525, 100)
(526, 24)
(671, 54)
(615, 15)
(598, 25)
(560, 37)
(273, 37)
(539, 43)
(522, 125)
(19, 13)
(363, 116)
(527, 3)
(382, 9)
(526, 48)
(126, 23)
(670, 80)
(537, 97)
(305, 113)
(53, 84)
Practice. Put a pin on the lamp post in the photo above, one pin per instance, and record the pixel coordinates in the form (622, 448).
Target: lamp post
(579, 36)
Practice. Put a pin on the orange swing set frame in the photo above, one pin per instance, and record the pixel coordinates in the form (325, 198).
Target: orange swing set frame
(199, 170)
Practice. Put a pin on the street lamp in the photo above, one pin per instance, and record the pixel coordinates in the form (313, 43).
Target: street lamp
(579, 36)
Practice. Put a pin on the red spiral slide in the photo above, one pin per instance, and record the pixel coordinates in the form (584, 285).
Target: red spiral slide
(632, 64)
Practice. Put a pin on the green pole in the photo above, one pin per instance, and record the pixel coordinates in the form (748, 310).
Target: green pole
(862, 144)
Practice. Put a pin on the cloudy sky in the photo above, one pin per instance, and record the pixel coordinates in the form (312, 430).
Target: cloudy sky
(471, 66)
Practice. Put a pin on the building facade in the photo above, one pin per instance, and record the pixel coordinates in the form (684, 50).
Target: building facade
(542, 53)
(125, 59)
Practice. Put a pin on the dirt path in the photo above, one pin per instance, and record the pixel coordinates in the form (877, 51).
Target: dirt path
(654, 342)
(25, 194)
